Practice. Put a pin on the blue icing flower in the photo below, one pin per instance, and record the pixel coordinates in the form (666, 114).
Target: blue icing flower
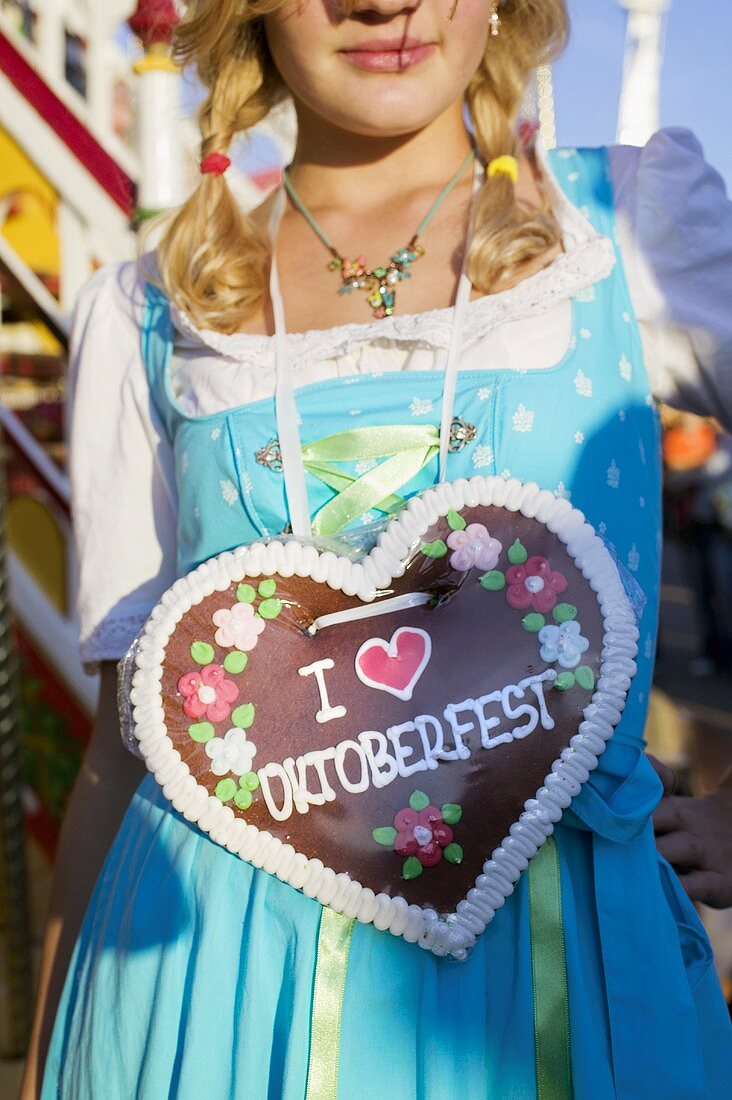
(563, 644)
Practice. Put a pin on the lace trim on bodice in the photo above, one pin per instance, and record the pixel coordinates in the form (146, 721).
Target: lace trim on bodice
(111, 638)
(572, 272)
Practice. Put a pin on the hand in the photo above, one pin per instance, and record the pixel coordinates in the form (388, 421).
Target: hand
(695, 836)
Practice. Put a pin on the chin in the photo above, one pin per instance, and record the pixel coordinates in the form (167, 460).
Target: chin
(384, 114)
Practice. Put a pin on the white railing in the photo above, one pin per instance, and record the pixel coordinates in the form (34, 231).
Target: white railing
(79, 47)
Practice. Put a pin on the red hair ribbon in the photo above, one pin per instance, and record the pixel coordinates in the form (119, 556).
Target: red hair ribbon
(215, 164)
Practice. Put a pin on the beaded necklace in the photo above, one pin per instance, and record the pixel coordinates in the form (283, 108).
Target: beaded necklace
(380, 283)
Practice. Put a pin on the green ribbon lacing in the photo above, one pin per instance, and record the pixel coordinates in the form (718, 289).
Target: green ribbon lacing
(405, 450)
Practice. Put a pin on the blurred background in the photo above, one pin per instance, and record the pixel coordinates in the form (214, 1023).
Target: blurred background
(97, 133)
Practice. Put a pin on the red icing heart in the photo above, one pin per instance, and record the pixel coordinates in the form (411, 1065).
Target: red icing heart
(394, 666)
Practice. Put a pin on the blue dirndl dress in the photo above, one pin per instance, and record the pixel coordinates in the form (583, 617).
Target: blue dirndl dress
(194, 972)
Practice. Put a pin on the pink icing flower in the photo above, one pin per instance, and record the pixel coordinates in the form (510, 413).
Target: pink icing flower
(238, 627)
(208, 694)
(534, 584)
(422, 833)
(473, 548)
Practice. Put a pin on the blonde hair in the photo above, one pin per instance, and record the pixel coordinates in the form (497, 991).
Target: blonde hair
(212, 257)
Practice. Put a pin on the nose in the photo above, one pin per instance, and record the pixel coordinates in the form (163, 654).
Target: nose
(383, 8)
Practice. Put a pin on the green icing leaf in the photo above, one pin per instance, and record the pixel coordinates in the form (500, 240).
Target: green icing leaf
(455, 520)
(493, 581)
(453, 853)
(249, 782)
(564, 612)
(225, 790)
(202, 732)
(585, 677)
(202, 653)
(517, 553)
(437, 549)
(385, 836)
(533, 622)
(269, 609)
(243, 798)
(267, 588)
(564, 681)
(419, 801)
(243, 716)
(246, 594)
(412, 868)
(451, 813)
(235, 662)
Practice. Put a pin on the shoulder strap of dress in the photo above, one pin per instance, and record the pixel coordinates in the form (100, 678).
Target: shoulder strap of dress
(157, 348)
(584, 176)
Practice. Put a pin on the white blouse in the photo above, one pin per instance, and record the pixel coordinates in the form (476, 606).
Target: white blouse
(675, 236)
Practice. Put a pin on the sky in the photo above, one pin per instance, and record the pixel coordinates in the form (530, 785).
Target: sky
(697, 76)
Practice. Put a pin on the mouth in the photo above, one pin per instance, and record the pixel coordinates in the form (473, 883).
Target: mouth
(388, 55)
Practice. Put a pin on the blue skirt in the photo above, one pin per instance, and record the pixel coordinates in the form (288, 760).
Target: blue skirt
(193, 976)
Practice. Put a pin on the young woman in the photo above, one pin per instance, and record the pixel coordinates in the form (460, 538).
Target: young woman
(597, 278)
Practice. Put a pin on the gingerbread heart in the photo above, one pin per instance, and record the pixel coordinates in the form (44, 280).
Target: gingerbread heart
(395, 736)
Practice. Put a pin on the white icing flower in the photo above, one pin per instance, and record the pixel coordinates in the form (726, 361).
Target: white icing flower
(563, 644)
(239, 627)
(231, 753)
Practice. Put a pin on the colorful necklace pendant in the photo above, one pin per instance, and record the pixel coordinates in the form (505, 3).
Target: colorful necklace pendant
(380, 284)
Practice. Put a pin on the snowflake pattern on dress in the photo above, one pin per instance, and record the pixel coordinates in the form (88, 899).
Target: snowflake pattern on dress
(246, 483)
(648, 647)
(421, 406)
(626, 368)
(216, 432)
(484, 393)
(505, 474)
(585, 334)
(589, 294)
(562, 492)
(613, 475)
(482, 456)
(583, 384)
(365, 465)
(523, 419)
(184, 463)
(229, 491)
(573, 177)
(633, 559)
(579, 437)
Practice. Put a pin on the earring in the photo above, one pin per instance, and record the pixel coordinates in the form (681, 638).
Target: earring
(495, 22)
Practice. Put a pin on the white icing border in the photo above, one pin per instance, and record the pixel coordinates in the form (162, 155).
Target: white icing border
(454, 933)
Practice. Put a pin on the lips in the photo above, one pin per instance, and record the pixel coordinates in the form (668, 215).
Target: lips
(388, 54)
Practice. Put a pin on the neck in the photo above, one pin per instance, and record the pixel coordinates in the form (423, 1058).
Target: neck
(330, 163)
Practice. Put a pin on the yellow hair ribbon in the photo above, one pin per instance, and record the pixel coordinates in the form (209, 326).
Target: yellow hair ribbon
(504, 166)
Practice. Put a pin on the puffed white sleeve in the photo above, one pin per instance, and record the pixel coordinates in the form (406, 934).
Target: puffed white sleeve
(675, 235)
(121, 468)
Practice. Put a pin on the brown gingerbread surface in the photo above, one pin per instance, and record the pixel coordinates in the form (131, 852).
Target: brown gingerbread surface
(479, 646)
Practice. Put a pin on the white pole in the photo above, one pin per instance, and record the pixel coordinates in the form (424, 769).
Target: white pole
(640, 111)
(51, 39)
(162, 165)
